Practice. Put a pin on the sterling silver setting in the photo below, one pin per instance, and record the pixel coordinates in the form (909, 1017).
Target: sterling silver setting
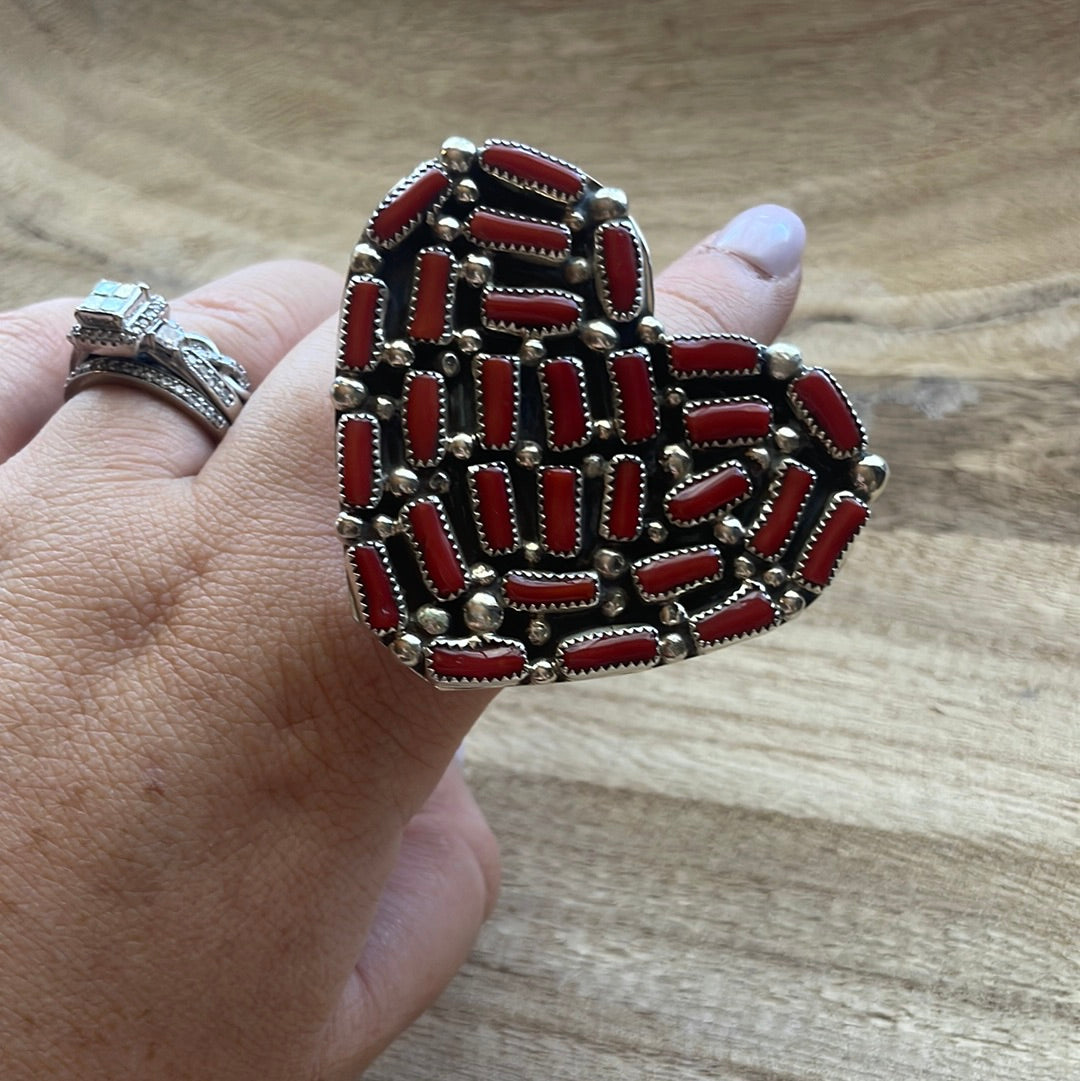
(539, 482)
(123, 336)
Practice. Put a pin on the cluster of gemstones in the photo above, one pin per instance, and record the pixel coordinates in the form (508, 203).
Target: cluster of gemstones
(537, 481)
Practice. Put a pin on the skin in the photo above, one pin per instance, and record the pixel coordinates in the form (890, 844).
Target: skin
(233, 841)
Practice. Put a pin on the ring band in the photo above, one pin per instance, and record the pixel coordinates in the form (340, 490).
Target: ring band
(123, 336)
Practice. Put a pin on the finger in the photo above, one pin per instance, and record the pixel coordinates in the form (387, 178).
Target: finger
(435, 901)
(743, 279)
(255, 316)
(36, 355)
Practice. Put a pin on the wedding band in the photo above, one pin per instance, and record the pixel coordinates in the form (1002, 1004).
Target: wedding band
(538, 481)
(123, 336)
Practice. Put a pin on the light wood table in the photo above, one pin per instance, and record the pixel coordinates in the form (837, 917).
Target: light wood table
(845, 851)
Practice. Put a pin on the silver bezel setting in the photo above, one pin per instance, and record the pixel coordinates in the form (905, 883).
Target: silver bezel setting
(748, 586)
(660, 557)
(606, 634)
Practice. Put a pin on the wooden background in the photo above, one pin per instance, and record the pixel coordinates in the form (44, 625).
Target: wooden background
(846, 851)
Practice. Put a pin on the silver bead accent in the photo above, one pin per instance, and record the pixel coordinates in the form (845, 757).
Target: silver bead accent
(577, 270)
(457, 154)
(528, 454)
(532, 552)
(447, 227)
(439, 482)
(650, 330)
(791, 603)
(432, 619)
(600, 335)
(614, 603)
(672, 614)
(468, 340)
(384, 526)
(365, 259)
(539, 632)
(543, 671)
(398, 353)
(385, 407)
(608, 203)
(743, 568)
(674, 647)
(532, 351)
(782, 360)
(677, 461)
(787, 439)
(729, 531)
(348, 528)
(603, 429)
(482, 574)
(593, 465)
(674, 397)
(656, 531)
(461, 445)
(482, 612)
(758, 458)
(774, 577)
(466, 191)
(450, 364)
(348, 393)
(610, 562)
(408, 649)
(476, 270)
(403, 481)
(869, 475)
(575, 221)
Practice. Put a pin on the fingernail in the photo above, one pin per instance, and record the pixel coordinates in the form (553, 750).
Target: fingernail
(769, 237)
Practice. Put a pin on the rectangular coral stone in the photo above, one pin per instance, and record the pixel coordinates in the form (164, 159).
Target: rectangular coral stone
(501, 661)
(361, 333)
(437, 550)
(624, 496)
(560, 501)
(745, 614)
(407, 207)
(708, 494)
(591, 654)
(375, 588)
(424, 412)
(564, 396)
(358, 443)
(635, 396)
(664, 576)
(429, 320)
(822, 555)
(713, 354)
(494, 506)
(536, 591)
(496, 400)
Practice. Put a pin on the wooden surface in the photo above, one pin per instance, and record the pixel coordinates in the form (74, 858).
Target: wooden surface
(846, 851)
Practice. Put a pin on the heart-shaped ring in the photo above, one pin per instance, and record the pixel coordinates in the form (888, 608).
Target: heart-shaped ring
(539, 483)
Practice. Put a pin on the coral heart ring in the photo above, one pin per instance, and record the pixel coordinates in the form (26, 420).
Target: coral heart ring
(537, 481)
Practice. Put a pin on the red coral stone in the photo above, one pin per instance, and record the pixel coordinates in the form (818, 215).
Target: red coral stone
(497, 401)
(773, 533)
(709, 494)
(620, 264)
(377, 599)
(666, 575)
(542, 590)
(634, 394)
(425, 408)
(493, 228)
(560, 495)
(731, 422)
(362, 324)
(751, 612)
(820, 558)
(410, 204)
(713, 355)
(430, 321)
(821, 397)
(533, 309)
(437, 549)
(625, 497)
(360, 461)
(532, 169)
(495, 662)
(564, 390)
(494, 507)
(638, 646)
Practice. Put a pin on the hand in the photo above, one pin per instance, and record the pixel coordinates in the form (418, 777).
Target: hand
(233, 842)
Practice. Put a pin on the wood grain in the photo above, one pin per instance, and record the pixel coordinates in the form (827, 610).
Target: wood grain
(849, 850)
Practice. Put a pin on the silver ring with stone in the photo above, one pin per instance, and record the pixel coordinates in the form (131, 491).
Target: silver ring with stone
(123, 336)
